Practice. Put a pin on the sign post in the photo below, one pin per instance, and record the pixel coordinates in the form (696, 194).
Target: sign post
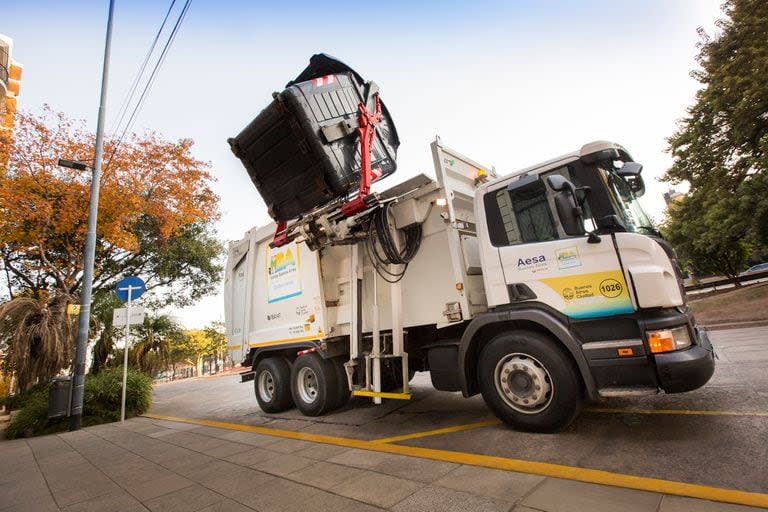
(126, 290)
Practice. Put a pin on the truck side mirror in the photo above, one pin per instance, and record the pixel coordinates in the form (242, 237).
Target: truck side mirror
(568, 209)
(630, 171)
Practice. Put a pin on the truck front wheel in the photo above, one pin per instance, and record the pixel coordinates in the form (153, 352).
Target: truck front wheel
(272, 381)
(314, 384)
(530, 382)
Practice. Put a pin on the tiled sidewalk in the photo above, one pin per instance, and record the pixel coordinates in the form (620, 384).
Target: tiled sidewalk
(167, 466)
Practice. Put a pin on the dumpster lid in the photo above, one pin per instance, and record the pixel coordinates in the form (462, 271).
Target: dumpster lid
(322, 64)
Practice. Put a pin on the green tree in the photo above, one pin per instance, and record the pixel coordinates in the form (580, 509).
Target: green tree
(151, 351)
(721, 146)
(156, 218)
(217, 337)
(701, 230)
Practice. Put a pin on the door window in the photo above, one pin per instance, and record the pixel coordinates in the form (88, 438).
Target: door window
(525, 213)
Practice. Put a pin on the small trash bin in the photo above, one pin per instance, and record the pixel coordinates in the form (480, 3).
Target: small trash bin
(59, 396)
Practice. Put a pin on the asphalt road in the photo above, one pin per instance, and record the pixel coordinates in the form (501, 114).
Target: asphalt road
(714, 436)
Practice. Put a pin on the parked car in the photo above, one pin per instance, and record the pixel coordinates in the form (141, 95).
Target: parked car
(760, 267)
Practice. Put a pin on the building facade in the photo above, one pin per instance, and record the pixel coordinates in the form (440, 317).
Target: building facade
(10, 87)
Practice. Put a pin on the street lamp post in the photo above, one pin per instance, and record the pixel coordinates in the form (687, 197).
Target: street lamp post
(78, 381)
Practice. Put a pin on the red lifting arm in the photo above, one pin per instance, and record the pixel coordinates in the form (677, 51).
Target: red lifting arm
(367, 132)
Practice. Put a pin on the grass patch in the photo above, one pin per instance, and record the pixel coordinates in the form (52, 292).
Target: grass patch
(102, 397)
(748, 303)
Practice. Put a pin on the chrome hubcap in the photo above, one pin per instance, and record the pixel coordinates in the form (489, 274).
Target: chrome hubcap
(307, 385)
(266, 386)
(524, 383)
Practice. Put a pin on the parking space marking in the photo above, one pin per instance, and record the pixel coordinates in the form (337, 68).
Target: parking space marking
(593, 476)
(691, 412)
(436, 432)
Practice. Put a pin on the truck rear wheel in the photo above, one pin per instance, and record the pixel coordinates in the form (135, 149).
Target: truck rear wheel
(314, 384)
(272, 383)
(530, 382)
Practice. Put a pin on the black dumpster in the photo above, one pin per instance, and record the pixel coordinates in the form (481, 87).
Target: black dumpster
(59, 396)
(303, 149)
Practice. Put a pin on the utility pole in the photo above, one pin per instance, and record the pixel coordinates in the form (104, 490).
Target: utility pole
(83, 321)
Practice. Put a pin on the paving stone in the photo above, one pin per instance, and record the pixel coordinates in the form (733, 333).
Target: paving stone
(162, 483)
(188, 499)
(377, 489)
(502, 485)
(186, 463)
(412, 468)
(286, 496)
(252, 456)
(283, 464)
(230, 479)
(33, 506)
(226, 505)
(321, 451)
(66, 483)
(119, 501)
(26, 493)
(249, 438)
(681, 504)
(288, 446)
(325, 475)
(556, 495)
(438, 499)
(364, 459)
(226, 448)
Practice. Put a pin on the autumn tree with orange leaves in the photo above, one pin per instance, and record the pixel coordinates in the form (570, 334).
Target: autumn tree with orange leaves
(156, 213)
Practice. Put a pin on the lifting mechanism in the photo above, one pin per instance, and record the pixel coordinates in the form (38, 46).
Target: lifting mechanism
(364, 220)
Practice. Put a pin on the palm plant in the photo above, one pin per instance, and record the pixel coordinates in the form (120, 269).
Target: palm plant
(153, 350)
(36, 337)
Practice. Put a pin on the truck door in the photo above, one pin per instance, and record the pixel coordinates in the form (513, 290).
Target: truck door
(538, 262)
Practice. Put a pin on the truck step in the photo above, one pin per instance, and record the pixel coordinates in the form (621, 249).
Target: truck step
(617, 392)
(381, 394)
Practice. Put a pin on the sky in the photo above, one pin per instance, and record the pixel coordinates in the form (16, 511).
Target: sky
(507, 83)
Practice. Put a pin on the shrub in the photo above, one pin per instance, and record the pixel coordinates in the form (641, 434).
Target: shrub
(103, 393)
(102, 396)
(32, 419)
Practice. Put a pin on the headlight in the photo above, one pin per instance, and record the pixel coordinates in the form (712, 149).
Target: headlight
(667, 340)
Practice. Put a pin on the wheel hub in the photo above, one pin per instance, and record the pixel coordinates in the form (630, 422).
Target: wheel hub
(266, 386)
(524, 383)
(307, 384)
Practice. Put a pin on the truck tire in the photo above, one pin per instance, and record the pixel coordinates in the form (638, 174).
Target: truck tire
(530, 382)
(314, 384)
(343, 392)
(272, 383)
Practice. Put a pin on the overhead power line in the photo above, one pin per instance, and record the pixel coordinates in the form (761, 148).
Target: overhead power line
(150, 81)
(135, 85)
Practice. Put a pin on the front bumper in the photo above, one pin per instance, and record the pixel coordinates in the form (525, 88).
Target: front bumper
(688, 369)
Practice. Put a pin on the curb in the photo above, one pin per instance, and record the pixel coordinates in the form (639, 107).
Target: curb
(735, 325)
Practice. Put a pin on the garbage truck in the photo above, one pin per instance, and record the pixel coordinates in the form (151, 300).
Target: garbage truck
(540, 289)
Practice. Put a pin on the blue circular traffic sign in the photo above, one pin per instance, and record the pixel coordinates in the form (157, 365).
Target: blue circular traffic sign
(131, 283)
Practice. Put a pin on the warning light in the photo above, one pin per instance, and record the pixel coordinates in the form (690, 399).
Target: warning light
(441, 201)
(625, 351)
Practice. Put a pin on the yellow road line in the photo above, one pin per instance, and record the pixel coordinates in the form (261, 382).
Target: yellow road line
(692, 412)
(593, 476)
(445, 430)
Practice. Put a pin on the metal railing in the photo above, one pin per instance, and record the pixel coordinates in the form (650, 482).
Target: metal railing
(728, 281)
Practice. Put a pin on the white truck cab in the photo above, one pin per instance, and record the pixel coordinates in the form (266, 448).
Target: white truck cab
(539, 289)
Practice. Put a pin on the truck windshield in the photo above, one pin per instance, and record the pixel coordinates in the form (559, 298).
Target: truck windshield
(625, 204)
